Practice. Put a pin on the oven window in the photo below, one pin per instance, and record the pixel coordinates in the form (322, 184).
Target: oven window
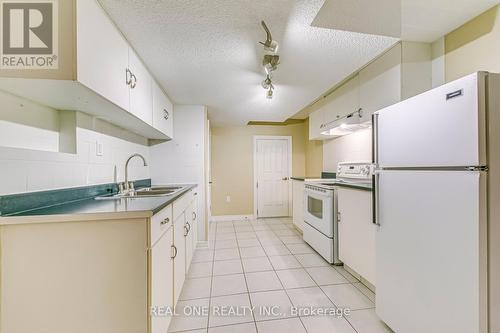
(315, 207)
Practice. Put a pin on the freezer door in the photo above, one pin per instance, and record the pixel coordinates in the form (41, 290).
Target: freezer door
(443, 127)
(430, 261)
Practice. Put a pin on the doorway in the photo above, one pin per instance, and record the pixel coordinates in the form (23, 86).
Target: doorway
(272, 172)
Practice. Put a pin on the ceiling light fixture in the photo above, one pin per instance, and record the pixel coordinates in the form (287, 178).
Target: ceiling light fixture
(269, 94)
(270, 44)
(270, 61)
(267, 82)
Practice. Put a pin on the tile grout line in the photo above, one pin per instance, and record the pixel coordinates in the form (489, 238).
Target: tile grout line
(267, 256)
(246, 282)
(212, 280)
(300, 319)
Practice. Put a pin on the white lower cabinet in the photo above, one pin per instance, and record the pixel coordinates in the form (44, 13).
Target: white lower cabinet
(171, 256)
(298, 204)
(179, 256)
(356, 232)
(162, 280)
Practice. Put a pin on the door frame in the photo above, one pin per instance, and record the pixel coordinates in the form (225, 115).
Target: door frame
(290, 157)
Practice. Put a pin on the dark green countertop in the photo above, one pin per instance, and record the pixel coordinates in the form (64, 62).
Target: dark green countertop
(89, 206)
(367, 187)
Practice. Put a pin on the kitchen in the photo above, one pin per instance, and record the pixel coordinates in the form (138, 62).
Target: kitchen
(262, 170)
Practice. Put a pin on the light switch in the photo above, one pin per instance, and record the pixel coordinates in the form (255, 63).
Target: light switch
(99, 150)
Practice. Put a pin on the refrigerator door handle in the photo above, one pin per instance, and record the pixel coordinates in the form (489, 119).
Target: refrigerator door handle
(375, 199)
(375, 139)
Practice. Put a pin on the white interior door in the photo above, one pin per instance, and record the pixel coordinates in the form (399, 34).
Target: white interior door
(430, 264)
(273, 174)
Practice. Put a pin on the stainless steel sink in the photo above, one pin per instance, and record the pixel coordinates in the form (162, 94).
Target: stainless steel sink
(147, 192)
(160, 188)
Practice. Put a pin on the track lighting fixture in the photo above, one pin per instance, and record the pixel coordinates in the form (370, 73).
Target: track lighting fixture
(269, 93)
(267, 83)
(270, 61)
(270, 45)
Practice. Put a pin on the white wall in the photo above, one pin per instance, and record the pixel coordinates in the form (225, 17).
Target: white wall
(26, 170)
(352, 147)
(182, 160)
(24, 124)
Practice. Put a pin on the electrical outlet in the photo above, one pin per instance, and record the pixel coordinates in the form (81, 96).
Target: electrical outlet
(228, 198)
(99, 150)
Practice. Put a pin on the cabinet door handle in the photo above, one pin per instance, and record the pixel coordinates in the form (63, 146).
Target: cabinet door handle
(187, 229)
(338, 217)
(134, 81)
(174, 248)
(128, 76)
(194, 216)
(166, 115)
(165, 221)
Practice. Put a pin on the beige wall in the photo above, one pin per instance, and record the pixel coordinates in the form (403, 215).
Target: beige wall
(314, 154)
(232, 164)
(475, 46)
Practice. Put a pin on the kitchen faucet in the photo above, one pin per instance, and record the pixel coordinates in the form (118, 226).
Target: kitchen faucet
(127, 186)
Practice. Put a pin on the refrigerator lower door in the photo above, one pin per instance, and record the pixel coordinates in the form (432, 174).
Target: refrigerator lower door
(430, 251)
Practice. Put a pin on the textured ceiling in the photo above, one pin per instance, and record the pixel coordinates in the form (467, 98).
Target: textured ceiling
(427, 20)
(412, 20)
(207, 52)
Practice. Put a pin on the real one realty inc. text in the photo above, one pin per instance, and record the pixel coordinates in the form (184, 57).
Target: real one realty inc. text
(241, 311)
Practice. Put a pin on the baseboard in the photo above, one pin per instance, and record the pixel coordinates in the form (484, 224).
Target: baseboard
(224, 218)
(202, 245)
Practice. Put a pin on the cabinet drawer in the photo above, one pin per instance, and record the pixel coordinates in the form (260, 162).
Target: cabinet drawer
(182, 203)
(160, 222)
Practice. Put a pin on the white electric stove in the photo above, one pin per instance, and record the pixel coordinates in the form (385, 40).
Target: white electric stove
(320, 207)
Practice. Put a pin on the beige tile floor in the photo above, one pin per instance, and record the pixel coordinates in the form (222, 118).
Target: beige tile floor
(265, 263)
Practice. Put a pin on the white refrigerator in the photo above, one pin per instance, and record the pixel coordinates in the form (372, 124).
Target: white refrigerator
(436, 203)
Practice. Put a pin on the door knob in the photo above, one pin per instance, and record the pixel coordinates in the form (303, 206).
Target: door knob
(285, 178)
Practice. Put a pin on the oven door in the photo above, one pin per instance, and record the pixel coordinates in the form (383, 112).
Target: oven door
(318, 210)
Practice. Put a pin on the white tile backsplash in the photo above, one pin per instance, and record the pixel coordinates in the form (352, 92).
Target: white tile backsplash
(25, 170)
(352, 147)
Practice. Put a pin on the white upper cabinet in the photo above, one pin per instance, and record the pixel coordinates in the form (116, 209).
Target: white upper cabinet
(141, 92)
(345, 100)
(316, 121)
(401, 72)
(102, 54)
(163, 112)
(99, 73)
(380, 83)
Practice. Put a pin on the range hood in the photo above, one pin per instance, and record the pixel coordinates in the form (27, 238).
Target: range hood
(344, 126)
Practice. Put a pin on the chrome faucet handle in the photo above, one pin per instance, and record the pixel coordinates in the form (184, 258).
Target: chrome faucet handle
(131, 186)
(121, 187)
